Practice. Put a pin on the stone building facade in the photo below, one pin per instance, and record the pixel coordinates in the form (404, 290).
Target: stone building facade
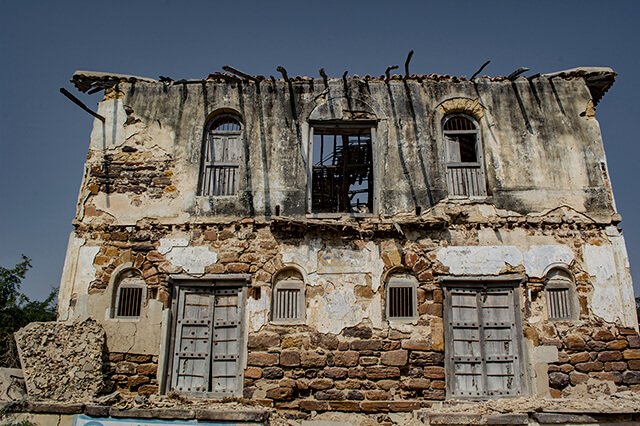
(352, 243)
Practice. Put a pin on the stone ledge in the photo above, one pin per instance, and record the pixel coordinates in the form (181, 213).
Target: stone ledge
(53, 408)
(232, 415)
(569, 418)
(362, 406)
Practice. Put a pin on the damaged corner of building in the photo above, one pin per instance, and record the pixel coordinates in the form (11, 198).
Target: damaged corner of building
(426, 250)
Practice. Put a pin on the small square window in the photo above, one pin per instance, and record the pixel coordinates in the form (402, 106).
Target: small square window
(401, 299)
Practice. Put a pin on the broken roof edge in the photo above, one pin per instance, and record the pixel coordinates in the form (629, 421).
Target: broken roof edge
(597, 79)
(86, 80)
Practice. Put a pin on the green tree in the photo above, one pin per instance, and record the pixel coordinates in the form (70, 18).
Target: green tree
(17, 310)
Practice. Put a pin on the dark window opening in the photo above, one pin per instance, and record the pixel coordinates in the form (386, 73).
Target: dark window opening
(401, 298)
(464, 168)
(129, 302)
(222, 155)
(342, 176)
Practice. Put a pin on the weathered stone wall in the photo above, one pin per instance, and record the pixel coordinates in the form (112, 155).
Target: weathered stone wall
(129, 372)
(594, 360)
(62, 361)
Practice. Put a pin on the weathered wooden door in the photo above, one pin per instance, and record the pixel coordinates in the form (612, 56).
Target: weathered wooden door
(207, 341)
(482, 342)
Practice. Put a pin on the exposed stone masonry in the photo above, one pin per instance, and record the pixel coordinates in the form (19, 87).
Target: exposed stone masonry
(589, 356)
(132, 373)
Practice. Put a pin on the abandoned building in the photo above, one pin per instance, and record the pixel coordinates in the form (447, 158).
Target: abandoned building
(357, 244)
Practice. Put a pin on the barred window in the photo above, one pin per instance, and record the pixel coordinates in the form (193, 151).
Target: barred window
(560, 296)
(288, 305)
(401, 298)
(221, 158)
(130, 294)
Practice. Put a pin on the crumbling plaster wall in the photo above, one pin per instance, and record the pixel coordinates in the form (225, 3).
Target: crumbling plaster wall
(540, 149)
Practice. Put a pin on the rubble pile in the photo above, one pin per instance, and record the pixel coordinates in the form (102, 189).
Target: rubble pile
(62, 361)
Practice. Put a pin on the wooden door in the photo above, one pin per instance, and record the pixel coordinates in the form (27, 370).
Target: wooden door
(207, 341)
(483, 342)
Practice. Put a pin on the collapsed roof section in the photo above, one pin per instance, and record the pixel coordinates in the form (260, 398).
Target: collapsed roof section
(597, 79)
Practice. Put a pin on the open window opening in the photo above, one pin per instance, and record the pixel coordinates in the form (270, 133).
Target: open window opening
(401, 298)
(221, 158)
(130, 294)
(560, 295)
(342, 174)
(288, 304)
(465, 175)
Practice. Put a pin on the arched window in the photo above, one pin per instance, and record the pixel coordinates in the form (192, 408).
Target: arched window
(222, 156)
(401, 297)
(560, 295)
(288, 303)
(465, 174)
(130, 294)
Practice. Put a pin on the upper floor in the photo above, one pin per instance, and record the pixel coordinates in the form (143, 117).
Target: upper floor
(226, 146)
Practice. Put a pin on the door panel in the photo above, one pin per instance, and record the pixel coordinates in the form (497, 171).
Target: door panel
(207, 341)
(482, 347)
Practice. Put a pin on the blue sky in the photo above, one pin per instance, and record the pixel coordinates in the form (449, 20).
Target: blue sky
(44, 137)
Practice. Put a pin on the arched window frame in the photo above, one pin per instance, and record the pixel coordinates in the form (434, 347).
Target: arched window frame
(221, 156)
(465, 178)
(129, 294)
(401, 298)
(288, 302)
(560, 295)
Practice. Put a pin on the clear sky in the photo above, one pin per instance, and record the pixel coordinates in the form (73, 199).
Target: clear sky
(44, 137)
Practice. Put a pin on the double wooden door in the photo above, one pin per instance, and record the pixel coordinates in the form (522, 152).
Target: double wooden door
(483, 335)
(207, 341)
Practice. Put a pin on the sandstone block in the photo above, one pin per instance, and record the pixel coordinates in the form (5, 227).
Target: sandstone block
(395, 358)
(612, 376)
(586, 367)
(603, 336)
(359, 332)
(262, 359)
(147, 369)
(426, 358)
(416, 345)
(418, 384)
(575, 343)
(346, 359)
(252, 373)
(609, 356)
(580, 357)
(355, 395)
(321, 384)
(312, 359)
(329, 395)
(263, 341)
(433, 372)
(280, 393)
(615, 366)
(368, 360)
(631, 354)
(148, 389)
(135, 381)
(387, 384)
(366, 345)
(577, 378)
(634, 364)
(631, 377)
(336, 373)
(377, 395)
(616, 345)
(272, 373)
(380, 372)
(634, 341)
(289, 358)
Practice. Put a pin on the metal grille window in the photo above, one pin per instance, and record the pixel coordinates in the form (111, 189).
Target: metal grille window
(401, 298)
(130, 295)
(465, 175)
(560, 296)
(342, 171)
(288, 301)
(221, 159)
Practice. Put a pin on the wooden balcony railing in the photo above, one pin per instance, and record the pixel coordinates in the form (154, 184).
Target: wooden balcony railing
(220, 180)
(465, 180)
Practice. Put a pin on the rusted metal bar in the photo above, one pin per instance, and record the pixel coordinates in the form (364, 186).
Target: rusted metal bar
(81, 104)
